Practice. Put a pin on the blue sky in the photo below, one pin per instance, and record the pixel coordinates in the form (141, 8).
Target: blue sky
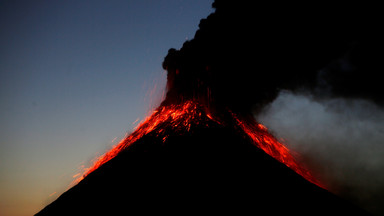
(75, 75)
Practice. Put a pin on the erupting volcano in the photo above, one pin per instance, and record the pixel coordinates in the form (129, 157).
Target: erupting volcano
(202, 150)
(185, 158)
(183, 118)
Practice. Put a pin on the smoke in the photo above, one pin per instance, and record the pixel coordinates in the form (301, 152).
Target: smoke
(341, 140)
(356, 74)
(242, 55)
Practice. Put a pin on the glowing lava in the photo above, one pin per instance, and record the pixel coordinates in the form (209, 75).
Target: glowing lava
(270, 145)
(182, 117)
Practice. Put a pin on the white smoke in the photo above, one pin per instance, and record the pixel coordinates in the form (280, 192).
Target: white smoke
(340, 140)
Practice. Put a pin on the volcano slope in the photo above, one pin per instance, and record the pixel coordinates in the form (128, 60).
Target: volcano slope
(194, 162)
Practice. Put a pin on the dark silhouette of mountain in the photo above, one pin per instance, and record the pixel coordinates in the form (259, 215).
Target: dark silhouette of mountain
(211, 168)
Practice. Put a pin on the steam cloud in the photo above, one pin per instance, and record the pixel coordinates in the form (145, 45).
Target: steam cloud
(340, 139)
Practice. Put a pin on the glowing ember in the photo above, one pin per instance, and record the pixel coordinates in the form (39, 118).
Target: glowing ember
(181, 117)
(265, 141)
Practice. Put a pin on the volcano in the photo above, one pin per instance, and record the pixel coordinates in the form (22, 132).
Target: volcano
(202, 151)
(184, 159)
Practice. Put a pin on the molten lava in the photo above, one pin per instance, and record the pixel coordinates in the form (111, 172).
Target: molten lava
(180, 118)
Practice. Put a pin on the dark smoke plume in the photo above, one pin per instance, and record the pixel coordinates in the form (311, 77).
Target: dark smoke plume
(243, 54)
(357, 74)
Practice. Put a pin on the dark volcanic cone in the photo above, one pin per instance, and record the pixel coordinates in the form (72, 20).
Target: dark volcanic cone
(184, 159)
(201, 151)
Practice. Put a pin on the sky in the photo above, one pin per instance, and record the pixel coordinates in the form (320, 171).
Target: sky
(75, 77)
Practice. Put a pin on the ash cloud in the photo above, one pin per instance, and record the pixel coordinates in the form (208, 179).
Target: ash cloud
(339, 139)
(357, 74)
(242, 55)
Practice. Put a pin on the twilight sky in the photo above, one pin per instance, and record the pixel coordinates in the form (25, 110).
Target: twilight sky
(74, 77)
